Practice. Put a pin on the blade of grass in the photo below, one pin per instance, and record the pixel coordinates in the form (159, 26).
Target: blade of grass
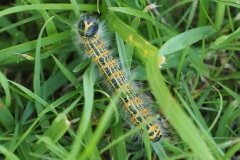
(16, 9)
(8, 154)
(220, 14)
(147, 143)
(194, 106)
(219, 112)
(130, 36)
(68, 74)
(23, 149)
(54, 148)
(222, 129)
(75, 7)
(5, 86)
(11, 54)
(233, 150)
(30, 93)
(102, 126)
(56, 130)
(232, 93)
(87, 139)
(118, 151)
(121, 138)
(202, 20)
(50, 28)
(212, 144)
(6, 117)
(158, 148)
(183, 125)
(86, 115)
(36, 77)
(48, 88)
(185, 39)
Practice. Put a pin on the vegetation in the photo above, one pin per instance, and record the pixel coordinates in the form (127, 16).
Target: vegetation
(53, 105)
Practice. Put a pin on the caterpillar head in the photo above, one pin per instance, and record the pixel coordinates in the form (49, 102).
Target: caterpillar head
(88, 26)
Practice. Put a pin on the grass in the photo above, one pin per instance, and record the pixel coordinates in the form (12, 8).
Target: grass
(54, 106)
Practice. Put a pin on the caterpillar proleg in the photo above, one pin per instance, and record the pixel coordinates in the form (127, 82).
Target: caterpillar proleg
(133, 105)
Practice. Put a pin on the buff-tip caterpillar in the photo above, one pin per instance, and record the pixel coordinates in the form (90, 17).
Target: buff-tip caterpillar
(132, 103)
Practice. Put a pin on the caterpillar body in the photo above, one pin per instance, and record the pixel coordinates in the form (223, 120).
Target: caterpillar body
(133, 104)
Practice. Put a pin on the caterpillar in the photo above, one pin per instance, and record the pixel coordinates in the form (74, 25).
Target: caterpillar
(133, 104)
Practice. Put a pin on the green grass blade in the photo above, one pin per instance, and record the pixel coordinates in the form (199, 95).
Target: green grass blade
(132, 11)
(68, 74)
(88, 104)
(219, 112)
(233, 150)
(225, 121)
(56, 130)
(118, 151)
(16, 9)
(194, 107)
(185, 39)
(226, 40)
(178, 119)
(37, 70)
(88, 139)
(102, 126)
(130, 36)
(5, 86)
(8, 154)
(158, 148)
(30, 93)
(50, 28)
(202, 21)
(220, 14)
(16, 53)
(6, 118)
(231, 92)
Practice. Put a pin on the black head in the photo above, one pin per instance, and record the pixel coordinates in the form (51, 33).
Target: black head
(88, 26)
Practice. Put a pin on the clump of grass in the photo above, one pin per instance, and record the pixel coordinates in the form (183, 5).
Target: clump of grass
(53, 107)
